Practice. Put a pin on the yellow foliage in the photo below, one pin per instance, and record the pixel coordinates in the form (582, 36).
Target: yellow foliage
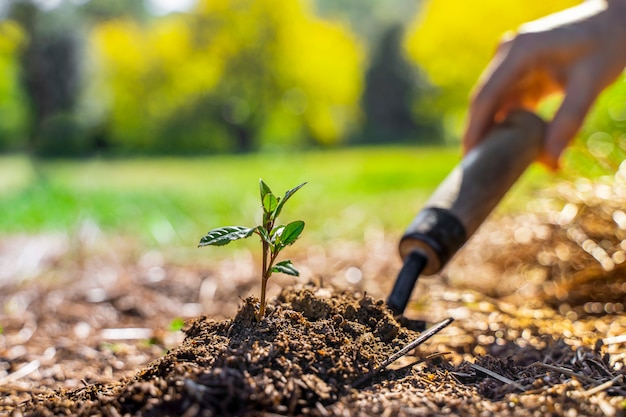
(453, 40)
(275, 55)
(12, 37)
(320, 59)
(324, 61)
(151, 71)
(12, 111)
(122, 46)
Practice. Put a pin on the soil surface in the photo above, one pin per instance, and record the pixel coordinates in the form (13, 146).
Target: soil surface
(309, 357)
(91, 325)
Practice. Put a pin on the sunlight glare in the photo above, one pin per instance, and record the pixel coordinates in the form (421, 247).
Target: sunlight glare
(163, 7)
(47, 5)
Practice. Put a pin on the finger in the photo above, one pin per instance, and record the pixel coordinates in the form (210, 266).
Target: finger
(581, 91)
(497, 82)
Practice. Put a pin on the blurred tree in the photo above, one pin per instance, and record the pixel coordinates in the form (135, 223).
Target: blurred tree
(369, 18)
(453, 41)
(97, 10)
(232, 75)
(51, 76)
(42, 65)
(394, 96)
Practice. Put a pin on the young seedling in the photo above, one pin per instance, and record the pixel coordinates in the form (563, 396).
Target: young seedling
(273, 238)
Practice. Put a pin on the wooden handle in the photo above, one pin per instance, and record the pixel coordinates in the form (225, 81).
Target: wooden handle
(471, 191)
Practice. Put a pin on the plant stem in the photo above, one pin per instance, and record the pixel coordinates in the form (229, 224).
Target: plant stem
(268, 223)
(267, 273)
(263, 279)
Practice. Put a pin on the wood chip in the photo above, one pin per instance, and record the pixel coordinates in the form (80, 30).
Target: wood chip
(497, 376)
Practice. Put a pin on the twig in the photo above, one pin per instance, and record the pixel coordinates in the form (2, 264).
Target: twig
(435, 355)
(29, 368)
(608, 384)
(421, 339)
(567, 372)
(415, 343)
(16, 388)
(614, 339)
(422, 360)
(499, 377)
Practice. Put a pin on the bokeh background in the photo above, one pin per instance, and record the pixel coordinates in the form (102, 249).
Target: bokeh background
(157, 117)
(86, 77)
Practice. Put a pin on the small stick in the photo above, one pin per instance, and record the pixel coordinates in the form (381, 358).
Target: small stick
(415, 343)
(16, 388)
(25, 370)
(422, 360)
(614, 339)
(435, 355)
(608, 384)
(499, 377)
(567, 372)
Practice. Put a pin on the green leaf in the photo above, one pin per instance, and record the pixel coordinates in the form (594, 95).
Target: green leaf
(270, 202)
(291, 232)
(288, 195)
(286, 267)
(265, 189)
(176, 324)
(224, 235)
(275, 243)
(264, 235)
(276, 232)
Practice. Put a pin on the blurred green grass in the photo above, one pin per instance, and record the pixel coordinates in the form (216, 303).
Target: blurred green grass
(176, 200)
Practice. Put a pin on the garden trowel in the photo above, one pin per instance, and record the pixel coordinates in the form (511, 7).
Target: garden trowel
(464, 199)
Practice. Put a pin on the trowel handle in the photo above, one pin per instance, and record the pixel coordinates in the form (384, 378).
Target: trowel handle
(466, 197)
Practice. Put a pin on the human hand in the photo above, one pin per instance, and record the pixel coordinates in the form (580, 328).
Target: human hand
(578, 52)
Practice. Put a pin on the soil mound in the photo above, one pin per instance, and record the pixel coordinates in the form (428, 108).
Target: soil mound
(305, 354)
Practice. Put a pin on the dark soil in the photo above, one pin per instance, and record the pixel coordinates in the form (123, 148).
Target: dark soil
(306, 355)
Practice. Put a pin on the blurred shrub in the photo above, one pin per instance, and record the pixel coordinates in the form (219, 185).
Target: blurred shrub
(12, 107)
(62, 135)
(232, 75)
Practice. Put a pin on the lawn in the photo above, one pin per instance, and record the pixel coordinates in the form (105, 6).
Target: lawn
(175, 200)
